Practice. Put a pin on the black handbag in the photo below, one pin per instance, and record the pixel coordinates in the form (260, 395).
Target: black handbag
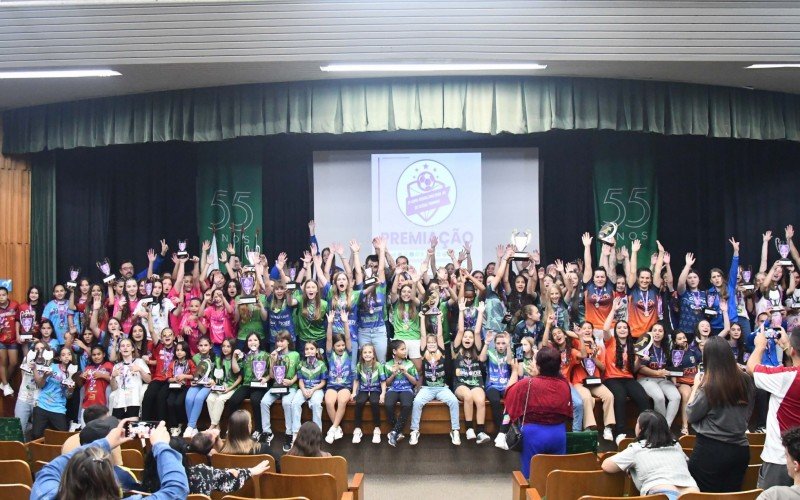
(514, 434)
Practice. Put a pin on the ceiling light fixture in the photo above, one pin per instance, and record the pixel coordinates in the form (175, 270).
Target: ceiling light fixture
(773, 66)
(68, 73)
(425, 67)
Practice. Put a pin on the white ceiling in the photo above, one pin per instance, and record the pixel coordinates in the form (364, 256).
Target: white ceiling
(173, 45)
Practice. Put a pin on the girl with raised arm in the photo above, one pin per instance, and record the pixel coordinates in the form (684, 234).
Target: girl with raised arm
(405, 315)
(643, 291)
(467, 351)
(372, 304)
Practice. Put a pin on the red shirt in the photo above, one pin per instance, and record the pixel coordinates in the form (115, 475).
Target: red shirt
(163, 357)
(8, 322)
(188, 369)
(94, 389)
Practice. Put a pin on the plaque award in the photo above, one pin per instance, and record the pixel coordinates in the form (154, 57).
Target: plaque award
(218, 386)
(259, 369)
(182, 253)
(279, 374)
(248, 283)
(775, 300)
(105, 268)
(591, 372)
(710, 311)
(520, 242)
(71, 371)
(642, 345)
(783, 250)
(747, 276)
(369, 279)
(677, 360)
(148, 293)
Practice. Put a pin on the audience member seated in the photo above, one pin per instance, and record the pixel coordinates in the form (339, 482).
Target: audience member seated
(239, 438)
(308, 441)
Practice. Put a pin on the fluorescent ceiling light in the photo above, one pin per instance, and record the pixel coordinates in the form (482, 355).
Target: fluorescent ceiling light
(773, 66)
(414, 67)
(69, 73)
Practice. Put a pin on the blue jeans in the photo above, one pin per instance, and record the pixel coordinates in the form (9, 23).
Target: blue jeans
(375, 336)
(577, 410)
(195, 399)
(286, 402)
(426, 395)
(314, 402)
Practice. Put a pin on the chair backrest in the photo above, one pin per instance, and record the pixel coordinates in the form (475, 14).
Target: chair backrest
(625, 443)
(198, 496)
(37, 465)
(660, 496)
(755, 453)
(335, 466)
(132, 459)
(13, 450)
(15, 491)
(56, 437)
(567, 485)
(542, 465)
(739, 495)
(687, 441)
(750, 480)
(197, 458)
(756, 437)
(226, 461)
(15, 472)
(44, 452)
(312, 486)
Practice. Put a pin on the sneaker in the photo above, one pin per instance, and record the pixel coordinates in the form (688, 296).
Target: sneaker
(195, 432)
(7, 390)
(376, 435)
(175, 431)
(619, 438)
(500, 441)
(339, 433)
(265, 437)
(357, 435)
(287, 443)
(73, 426)
(400, 436)
(330, 435)
(392, 437)
(255, 435)
(482, 438)
(455, 437)
(608, 434)
(414, 438)
(188, 432)
(470, 433)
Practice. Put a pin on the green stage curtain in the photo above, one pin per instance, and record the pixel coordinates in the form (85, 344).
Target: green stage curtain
(492, 105)
(43, 221)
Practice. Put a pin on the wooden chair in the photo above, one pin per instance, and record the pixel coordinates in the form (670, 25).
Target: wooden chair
(13, 450)
(756, 438)
(660, 496)
(755, 453)
(739, 495)
(568, 485)
(15, 491)
(15, 472)
(43, 452)
(198, 496)
(134, 444)
(542, 465)
(312, 486)
(233, 497)
(335, 466)
(196, 458)
(139, 473)
(625, 443)
(132, 459)
(224, 461)
(750, 480)
(56, 437)
(687, 441)
(36, 466)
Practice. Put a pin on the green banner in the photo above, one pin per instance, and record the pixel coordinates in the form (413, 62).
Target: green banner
(229, 196)
(625, 193)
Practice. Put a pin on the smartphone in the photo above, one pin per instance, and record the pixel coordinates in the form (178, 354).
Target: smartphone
(140, 429)
(777, 320)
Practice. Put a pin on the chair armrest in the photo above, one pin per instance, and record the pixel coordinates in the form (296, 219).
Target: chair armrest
(519, 484)
(532, 494)
(357, 486)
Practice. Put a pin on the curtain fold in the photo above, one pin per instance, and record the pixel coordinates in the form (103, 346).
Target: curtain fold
(492, 105)
(43, 221)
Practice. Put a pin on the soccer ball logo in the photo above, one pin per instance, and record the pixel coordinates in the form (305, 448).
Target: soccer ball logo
(426, 193)
(426, 181)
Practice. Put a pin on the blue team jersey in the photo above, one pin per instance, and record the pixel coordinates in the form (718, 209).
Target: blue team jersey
(339, 371)
(372, 308)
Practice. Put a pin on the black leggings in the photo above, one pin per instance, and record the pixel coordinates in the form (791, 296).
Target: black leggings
(176, 406)
(373, 398)
(255, 395)
(127, 412)
(406, 403)
(43, 419)
(154, 403)
(494, 396)
(718, 467)
(622, 388)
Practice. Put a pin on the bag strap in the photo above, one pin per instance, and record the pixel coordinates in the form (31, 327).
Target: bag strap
(527, 394)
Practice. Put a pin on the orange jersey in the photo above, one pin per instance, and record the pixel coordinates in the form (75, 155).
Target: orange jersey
(610, 359)
(643, 309)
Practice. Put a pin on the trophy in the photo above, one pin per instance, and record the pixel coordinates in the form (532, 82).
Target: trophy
(793, 302)
(591, 372)
(105, 268)
(520, 242)
(259, 369)
(369, 279)
(73, 275)
(747, 275)
(182, 253)
(248, 282)
(26, 320)
(204, 368)
(71, 371)
(775, 299)
(677, 360)
(642, 345)
(710, 311)
(29, 358)
(219, 373)
(783, 250)
(279, 373)
(252, 255)
(607, 233)
(47, 356)
(148, 293)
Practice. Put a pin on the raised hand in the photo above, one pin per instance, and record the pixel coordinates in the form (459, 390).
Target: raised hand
(586, 239)
(766, 236)
(312, 226)
(281, 259)
(690, 260)
(164, 247)
(434, 241)
(481, 306)
(660, 247)
(560, 266)
(468, 246)
(354, 246)
(223, 256)
(653, 258)
(314, 248)
(306, 258)
(500, 250)
(636, 246)
(462, 304)
(330, 315)
(206, 246)
(462, 255)
(509, 252)
(789, 230)
(343, 315)
(667, 258)
(617, 304)
(382, 242)
(536, 257)
(451, 253)
(231, 249)
(151, 255)
(625, 253)
(735, 244)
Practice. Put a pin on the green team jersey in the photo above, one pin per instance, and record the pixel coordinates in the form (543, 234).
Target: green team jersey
(250, 318)
(228, 377)
(312, 375)
(406, 325)
(291, 360)
(246, 365)
(401, 382)
(306, 327)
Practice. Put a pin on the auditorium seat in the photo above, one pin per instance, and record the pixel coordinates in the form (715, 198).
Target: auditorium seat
(19, 491)
(542, 465)
(37, 465)
(225, 461)
(755, 453)
(312, 486)
(660, 496)
(135, 444)
(15, 472)
(234, 497)
(44, 452)
(756, 438)
(687, 441)
(335, 466)
(739, 495)
(569, 485)
(56, 437)
(750, 480)
(133, 459)
(196, 458)
(198, 496)
(625, 443)
(13, 450)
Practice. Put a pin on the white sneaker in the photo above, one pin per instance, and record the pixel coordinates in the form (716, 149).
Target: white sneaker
(482, 438)
(330, 435)
(175, 431)
(376, 435)
(619, 438)
(413, 438)
(470, 433)
(500, 441)
(188, 432)
(357, 435)
(455, 437)
(339, 433)
(608, 434)
(73, 426)
(7, 390)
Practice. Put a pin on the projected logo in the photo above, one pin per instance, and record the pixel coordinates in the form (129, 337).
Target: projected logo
(426, 193)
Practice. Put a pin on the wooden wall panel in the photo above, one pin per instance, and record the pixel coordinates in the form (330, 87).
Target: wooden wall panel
(15, 221)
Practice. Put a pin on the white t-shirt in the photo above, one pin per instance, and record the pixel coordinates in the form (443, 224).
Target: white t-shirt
(27, 388)
(129, 384)
(783, 384)
(160, 314)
